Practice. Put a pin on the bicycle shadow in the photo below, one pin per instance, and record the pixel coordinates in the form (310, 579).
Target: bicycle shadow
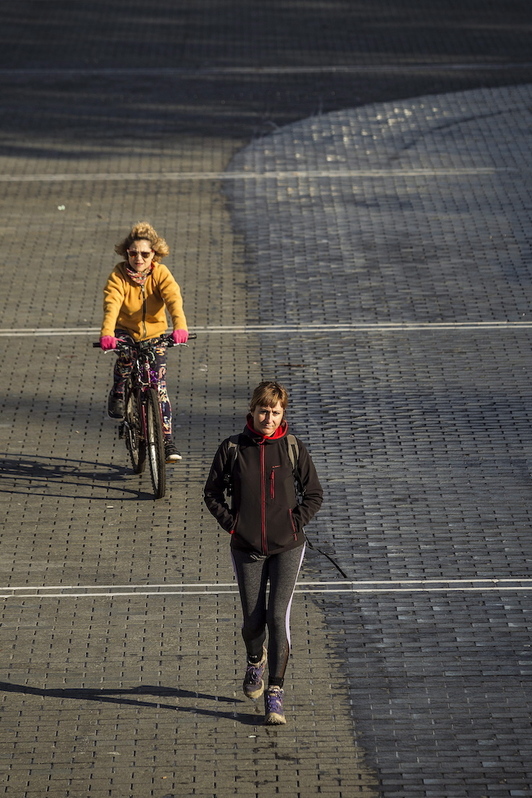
(115, 696)
(28, 474)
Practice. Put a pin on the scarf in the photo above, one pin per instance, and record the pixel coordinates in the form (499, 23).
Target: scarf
(139, 277)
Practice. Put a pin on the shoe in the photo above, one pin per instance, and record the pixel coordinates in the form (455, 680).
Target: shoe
(171, 453)
(273, 707)
(116, 406)
(253, 685)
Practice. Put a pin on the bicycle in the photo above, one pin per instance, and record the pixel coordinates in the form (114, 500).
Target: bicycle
(142, 426)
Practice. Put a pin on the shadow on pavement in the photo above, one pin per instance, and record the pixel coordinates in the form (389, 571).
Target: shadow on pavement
(238, 72)
(22, 475)
(117, 697)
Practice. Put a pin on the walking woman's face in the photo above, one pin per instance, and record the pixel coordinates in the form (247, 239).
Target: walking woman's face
(267, 420)
(140, 255)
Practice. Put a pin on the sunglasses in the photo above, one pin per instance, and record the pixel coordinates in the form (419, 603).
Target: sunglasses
(133, 253)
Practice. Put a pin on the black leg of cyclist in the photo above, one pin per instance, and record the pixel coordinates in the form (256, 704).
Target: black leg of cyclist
(170, 450)
(121, 372)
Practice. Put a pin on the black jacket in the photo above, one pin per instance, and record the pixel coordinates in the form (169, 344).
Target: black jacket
(264, 515)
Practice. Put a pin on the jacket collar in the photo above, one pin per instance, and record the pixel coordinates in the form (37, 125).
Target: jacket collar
(280, 432)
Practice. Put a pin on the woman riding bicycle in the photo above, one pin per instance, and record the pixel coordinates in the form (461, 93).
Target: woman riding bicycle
(137, 294)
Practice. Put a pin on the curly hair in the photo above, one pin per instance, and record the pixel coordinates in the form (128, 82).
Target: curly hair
(143, 231)
(267, 394)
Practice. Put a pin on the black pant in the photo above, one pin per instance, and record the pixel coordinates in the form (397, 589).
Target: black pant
(271, 611)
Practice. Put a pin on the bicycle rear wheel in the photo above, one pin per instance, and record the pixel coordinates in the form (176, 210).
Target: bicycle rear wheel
(135, 442)
(155, 443)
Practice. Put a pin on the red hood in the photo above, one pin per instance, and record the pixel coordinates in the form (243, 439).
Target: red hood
(280, 432)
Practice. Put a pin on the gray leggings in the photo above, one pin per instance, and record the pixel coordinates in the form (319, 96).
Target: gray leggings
(262, 610)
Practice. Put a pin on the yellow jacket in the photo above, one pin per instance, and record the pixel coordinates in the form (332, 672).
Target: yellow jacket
(140, 309)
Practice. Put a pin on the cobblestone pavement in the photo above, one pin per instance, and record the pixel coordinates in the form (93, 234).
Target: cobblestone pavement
(372, 252)
(392, 252)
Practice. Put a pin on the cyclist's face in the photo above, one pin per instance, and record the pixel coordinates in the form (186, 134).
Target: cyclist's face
(136, 255)
(267, 420)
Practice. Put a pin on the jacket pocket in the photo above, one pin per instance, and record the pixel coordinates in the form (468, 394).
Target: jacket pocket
(293, 525)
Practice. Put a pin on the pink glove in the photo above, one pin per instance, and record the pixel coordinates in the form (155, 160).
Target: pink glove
(108, 342)
(180, 336)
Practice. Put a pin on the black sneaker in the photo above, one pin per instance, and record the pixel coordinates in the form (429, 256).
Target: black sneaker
(116, 406)
(171, 453)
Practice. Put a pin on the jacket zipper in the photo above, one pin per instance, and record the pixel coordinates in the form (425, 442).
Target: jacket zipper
(264, 539)
(143, 292)
(272, 482)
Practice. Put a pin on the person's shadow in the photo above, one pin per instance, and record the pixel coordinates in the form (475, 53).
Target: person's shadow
(127, 696)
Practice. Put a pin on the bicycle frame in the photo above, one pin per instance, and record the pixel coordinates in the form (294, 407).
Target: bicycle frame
(143, 372)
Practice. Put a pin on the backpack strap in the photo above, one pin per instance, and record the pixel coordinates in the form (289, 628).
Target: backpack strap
(232, 453)
(233, 448)
(293, 452)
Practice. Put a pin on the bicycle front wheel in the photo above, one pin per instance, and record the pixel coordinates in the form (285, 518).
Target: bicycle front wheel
(135, 442)
(155, 443)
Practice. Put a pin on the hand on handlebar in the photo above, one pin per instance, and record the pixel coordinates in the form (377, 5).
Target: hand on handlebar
(180, 336)
(108, 342)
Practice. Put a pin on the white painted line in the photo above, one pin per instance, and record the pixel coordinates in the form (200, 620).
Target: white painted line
(49, 331)
(215, 585)
(304, 583)
(120, 595)
(292, 329)
(494, 581)
(234, 592)
(318, 174)
(417, 590)
(283, 69)
(213, 589)
(365, 327)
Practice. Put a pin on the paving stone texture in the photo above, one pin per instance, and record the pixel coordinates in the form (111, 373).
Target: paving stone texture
(346, 192)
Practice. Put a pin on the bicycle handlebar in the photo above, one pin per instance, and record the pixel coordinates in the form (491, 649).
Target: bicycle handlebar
(166, 340)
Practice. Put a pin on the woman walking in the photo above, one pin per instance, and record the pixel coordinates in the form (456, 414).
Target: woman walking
(259, 469)
(137, 294)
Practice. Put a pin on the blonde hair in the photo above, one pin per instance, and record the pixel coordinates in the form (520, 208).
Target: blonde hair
(267, 394)
(143, 231)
